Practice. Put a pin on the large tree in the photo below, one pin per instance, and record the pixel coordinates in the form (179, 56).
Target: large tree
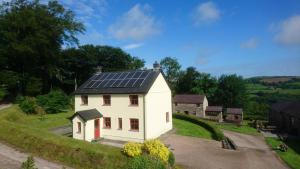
(171, 68)
(207, 85)
(187, 81)
(231, 91)
(31, 36)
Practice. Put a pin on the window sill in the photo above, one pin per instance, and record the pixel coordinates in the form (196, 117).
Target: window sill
(133, 105)
(106, 127)
(106, 105)
(84, 105)
(134, 130)
(119, 129)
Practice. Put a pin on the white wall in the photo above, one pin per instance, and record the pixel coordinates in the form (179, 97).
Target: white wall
(158, 101)
(77, 135)
(120, 108)
(205, 104)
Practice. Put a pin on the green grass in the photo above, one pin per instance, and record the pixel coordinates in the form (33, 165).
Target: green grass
(31, 134)
(292, 156)
(186, 128)
(245, 128)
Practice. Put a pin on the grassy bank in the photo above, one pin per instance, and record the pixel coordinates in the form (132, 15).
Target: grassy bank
(244, 128)
(186, 128)
(214, 132)
(292, 156)
(30, 133)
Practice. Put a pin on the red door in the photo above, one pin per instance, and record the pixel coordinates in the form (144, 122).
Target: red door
(97, 128)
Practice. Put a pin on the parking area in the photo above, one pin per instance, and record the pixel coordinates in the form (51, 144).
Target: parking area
(197, 153)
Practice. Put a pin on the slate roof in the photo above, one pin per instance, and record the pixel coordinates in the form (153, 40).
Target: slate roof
(214, 109)
(291, 108)
(137, 81)
(237, 111)
(189, 98)
(88, 114)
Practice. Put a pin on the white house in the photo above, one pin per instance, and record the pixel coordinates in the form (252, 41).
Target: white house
(128, 106)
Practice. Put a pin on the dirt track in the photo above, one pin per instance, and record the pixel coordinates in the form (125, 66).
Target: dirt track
(196, 153)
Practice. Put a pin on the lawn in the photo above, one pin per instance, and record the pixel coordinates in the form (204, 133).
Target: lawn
(245, 128)
(31, 133)
(186, 128)
(292, 156)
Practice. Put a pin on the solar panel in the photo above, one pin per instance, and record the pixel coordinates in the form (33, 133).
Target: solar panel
(137, 74)
(138, 83)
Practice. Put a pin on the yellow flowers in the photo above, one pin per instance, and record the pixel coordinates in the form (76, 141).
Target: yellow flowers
(152, 147)
(132, 149)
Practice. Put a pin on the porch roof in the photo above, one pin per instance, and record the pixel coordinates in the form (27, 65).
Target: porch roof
(88, 114)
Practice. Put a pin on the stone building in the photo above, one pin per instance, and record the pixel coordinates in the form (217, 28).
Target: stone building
(234, 115)
(214, 113)
(190, 104)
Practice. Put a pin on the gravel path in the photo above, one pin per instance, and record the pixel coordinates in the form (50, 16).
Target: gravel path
(196, 153)
(12, 159)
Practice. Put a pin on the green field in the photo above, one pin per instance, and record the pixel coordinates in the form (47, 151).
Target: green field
(31, 134)
(292, 156)
(186, 128)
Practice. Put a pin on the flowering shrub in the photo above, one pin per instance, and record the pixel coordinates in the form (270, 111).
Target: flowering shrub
(157, 149)
(132, 149)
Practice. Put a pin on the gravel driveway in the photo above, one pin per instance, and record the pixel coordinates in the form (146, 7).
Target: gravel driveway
(196, 153)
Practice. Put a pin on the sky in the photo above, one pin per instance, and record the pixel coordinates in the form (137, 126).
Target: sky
(247, 37)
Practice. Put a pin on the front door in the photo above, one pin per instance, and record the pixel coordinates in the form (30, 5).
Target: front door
(97, 128)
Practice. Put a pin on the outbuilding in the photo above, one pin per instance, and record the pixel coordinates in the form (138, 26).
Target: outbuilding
(234, 115)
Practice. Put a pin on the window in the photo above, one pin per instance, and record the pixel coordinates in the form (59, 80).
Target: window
(107, 122)
(134, 124)
(176, 104)
(84, 100)
(134, 99)
(120, 123)
(106, 99)
(78, 127)
(167, 117)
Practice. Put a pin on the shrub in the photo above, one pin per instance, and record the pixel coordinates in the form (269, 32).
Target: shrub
(28, 105)
(132, 149)
(28, 164)
(171, 159)
(217, 134)
(157, 149)
(3, 92)
(146, 162)
(53, 102)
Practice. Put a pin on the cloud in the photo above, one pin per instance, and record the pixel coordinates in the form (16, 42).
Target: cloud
(135, 24)
(287, 32)
(132, 46)
(206, 13)
(250, 43)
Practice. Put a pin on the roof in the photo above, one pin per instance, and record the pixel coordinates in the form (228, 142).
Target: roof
(137, 81)
(214, 108)
(291, 107)
(189, 98)
(234, 111)
(88, 114)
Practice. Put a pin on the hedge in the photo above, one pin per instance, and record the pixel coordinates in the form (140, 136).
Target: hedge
(217, 134)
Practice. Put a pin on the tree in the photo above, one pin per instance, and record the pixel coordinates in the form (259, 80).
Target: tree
(31, 38)
(187, 81)
(171, 68)
(231, 91)
(207, 85)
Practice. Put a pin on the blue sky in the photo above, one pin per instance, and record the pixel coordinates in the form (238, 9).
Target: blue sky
(246, 37)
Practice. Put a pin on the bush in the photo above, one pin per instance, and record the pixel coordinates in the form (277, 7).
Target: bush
(29, 163)
(146, 162)
(157, 149)
(3, 92)
(132, 149)
(54, 101)
(217, 134)
(28, 105)
(171, 159)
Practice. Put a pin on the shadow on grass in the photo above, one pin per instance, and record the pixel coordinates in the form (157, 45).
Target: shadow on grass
(294, 144)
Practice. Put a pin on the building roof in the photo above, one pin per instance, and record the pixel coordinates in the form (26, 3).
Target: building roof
(88, 114)
(214, 108)
(137, 81)
(291, 107)
(234, 111)
(189, 98)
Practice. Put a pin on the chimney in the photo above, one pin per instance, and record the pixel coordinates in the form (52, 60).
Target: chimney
(99, 69)
(156, 66)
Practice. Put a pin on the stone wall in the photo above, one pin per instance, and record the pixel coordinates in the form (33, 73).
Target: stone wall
(193, 109)
(215, 116)
(237, 118)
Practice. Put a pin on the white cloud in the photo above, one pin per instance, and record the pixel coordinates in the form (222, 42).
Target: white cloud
(135, 24)
(288, 31)
(206, 13)
(132, 46)
(250, 43)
